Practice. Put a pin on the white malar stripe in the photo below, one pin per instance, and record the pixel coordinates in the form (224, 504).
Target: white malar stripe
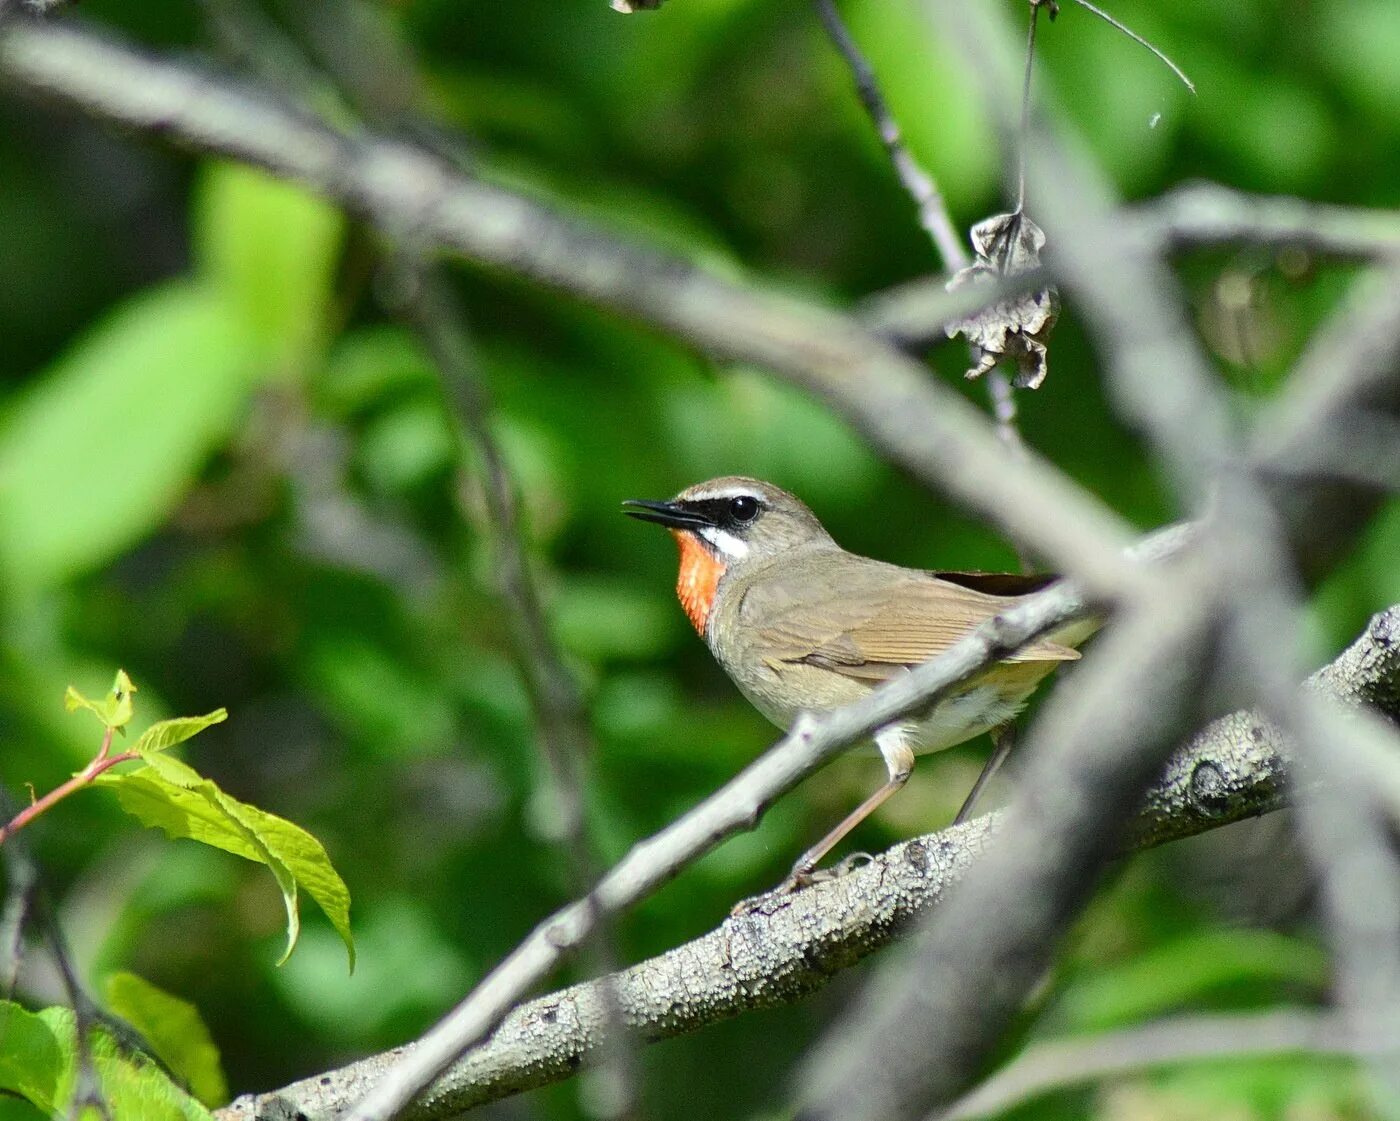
(729, 545)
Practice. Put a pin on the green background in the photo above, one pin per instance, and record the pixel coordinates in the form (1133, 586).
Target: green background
(224, 468)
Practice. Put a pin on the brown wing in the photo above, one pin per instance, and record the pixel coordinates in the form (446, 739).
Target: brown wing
(869, 620)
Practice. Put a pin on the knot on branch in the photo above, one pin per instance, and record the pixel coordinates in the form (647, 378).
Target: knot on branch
(1208, 789)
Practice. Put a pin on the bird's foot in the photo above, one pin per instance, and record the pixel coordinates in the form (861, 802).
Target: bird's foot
(850, 864)
(797, 880)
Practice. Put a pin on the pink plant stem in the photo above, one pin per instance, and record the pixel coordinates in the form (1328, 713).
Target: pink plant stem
(102, 762)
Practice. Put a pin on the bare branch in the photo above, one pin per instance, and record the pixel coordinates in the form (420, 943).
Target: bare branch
(1236, 767)
(927, 428)
(1139, 40)
(933, 210)
(737, 805)
(1343, 394)
(915, 179)
(1061, 1064)
(1210, 214)
(917, 1037)
(1200, 214)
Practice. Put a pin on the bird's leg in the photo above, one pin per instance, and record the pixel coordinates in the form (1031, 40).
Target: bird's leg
(1003, 738)
(899, 761)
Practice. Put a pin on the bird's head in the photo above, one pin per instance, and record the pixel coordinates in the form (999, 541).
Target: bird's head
(725, 525)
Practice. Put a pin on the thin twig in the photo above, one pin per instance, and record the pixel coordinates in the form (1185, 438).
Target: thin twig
(1063, 1064)
(916, 180)
(101, 763)
(1136, 38)
(1212, 214)
(565, 740)
(921, 186)
(1025, 132)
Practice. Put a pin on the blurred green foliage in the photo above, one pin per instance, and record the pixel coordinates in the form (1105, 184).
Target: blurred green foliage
(223, 466)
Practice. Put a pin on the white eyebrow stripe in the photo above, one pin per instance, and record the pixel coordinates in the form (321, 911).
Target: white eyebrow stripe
(732, 547)
(723, 492)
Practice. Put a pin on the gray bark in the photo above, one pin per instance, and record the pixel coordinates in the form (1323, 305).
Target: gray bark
(1236, 767)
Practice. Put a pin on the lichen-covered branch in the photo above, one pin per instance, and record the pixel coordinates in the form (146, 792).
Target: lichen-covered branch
(1236, 767)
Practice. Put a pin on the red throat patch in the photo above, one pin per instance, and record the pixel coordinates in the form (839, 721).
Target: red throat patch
(698, 579)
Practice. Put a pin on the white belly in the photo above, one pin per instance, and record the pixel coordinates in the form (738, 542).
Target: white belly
(960, 718)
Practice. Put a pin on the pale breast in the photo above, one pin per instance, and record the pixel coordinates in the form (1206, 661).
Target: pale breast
(952, 721)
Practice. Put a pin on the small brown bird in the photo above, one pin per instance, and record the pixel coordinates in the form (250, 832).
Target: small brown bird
(801, 625)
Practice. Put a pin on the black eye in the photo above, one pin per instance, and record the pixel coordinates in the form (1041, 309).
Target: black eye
(744, 508)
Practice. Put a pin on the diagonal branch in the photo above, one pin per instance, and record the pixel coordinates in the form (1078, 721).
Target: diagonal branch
(1065, 1063)
(919, 1036)
(918, 184)
(927, 428)
(737, 805)
(1234, 768)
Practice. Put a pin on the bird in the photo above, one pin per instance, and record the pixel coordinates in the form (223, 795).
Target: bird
(800, 625)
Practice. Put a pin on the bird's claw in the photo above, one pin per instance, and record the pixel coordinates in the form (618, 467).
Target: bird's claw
(797, 880)
(794, 883)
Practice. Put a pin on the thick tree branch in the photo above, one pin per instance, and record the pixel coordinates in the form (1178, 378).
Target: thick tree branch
(917, 1038)
(1236, 767)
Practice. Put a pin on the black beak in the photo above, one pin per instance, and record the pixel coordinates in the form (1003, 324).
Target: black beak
(671, 514)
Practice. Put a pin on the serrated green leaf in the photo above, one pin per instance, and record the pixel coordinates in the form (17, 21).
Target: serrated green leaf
(271, 248)
(172, 796)
(167, 733)
(181, 812)
(38, 1063)
(32, 1058)
(306, 858)
(106, 443)
(174, 1030)
(174, 771)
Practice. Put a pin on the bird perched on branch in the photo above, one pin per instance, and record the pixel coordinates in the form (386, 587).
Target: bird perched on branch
(801, 625)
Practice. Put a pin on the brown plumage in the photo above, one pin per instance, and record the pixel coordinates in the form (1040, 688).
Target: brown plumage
(802, 625)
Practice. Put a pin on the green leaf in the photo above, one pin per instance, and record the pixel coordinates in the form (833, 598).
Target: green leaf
(1189, 967)
(114, 710)
(32, 1059)
(170, 795)
(167, 733)
(271, 249)
(104, 446)
(174, 1030)
(38, 1062)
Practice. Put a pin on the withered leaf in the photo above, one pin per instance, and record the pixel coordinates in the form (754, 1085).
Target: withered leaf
(1015, 329)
